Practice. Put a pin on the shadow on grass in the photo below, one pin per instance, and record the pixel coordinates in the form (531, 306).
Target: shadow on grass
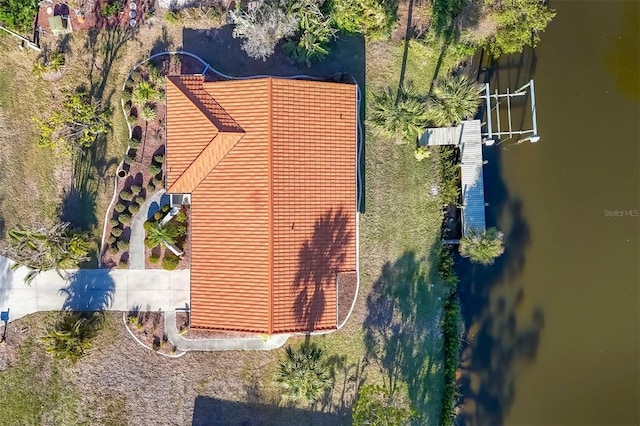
(320, 260)
(88, 290)
(402, 333)
(346, 378)
(209, 411)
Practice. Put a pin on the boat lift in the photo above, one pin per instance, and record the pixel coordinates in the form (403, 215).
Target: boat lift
(490, 136)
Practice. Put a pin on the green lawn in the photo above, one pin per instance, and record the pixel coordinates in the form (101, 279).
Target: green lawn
(394, 335)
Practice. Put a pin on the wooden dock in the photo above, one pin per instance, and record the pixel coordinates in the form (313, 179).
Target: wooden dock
(467, 136)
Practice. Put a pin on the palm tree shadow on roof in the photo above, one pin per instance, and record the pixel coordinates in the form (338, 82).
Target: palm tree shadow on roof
(320, 259)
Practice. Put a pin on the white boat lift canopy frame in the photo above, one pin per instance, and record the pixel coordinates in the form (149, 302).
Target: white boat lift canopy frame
(495, 98)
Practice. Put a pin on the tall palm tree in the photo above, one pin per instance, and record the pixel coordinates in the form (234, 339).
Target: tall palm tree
(144, 93)
(158, 235)
(482, 247)
(454, 98)
(302, 374)
(399, 113)
(70, 339)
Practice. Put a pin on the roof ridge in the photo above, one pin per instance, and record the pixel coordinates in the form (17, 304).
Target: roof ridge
(270, 171)
(196, 100)
(205, 162)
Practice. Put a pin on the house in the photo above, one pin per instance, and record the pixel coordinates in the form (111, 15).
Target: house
(269, 168)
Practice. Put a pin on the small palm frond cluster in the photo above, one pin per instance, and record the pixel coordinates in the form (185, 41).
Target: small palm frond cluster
(70, 339)
(399, 113)
(455, 98)
(302, 374)
(482, 247)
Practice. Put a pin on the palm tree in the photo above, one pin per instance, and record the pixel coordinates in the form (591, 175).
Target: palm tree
(455, 98)
(482, 247)
(148, 113)
(400, 113)
(158, 235)
(302, 375)
(70, 339)
(144, 93)
(56, 247)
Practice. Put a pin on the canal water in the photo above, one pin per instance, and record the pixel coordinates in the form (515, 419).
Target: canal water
(552, 331)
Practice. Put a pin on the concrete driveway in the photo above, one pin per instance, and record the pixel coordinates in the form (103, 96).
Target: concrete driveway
(92, 289)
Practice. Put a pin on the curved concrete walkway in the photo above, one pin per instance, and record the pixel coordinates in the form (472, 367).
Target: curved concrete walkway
(136, 241)
(237, 344)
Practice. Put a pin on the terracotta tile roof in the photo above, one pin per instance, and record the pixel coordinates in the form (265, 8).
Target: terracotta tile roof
(273, 220)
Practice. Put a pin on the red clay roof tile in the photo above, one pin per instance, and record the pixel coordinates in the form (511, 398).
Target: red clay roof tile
(273, 221)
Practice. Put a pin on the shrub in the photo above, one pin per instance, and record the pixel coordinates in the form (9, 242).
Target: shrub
(131, 119)
(182, 231)
(111, 239)
(111, 9)
(454, 99)
(151, 188)
(144, 93)
(134, 208)
(421, 153)
(129, 158)
(113, 249)
(303, 375)
(119, 207)
(124, 218)
(482, 247)
(139, 200)
(172, 17)
(126, 95)
(123, 264)
(181, 217)
(18, 15)
(399, 113)
(147, 225)
(134, 143)
(157, 215)
(158, 159)
(165, 209)
(116, 232)
(122, 245)
(520, 23)
(126, 195)
(158, 182)
(373, 18)
(154, 169)
(135, 189)
(450, 324)
(148, 113)
(262, 28)
(135, 77)
(154, 258)
(170, 261)
(114, 222)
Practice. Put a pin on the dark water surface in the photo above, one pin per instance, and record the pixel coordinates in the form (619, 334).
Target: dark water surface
(553, 330)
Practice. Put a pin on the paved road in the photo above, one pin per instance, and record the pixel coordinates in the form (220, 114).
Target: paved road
(92, 289)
